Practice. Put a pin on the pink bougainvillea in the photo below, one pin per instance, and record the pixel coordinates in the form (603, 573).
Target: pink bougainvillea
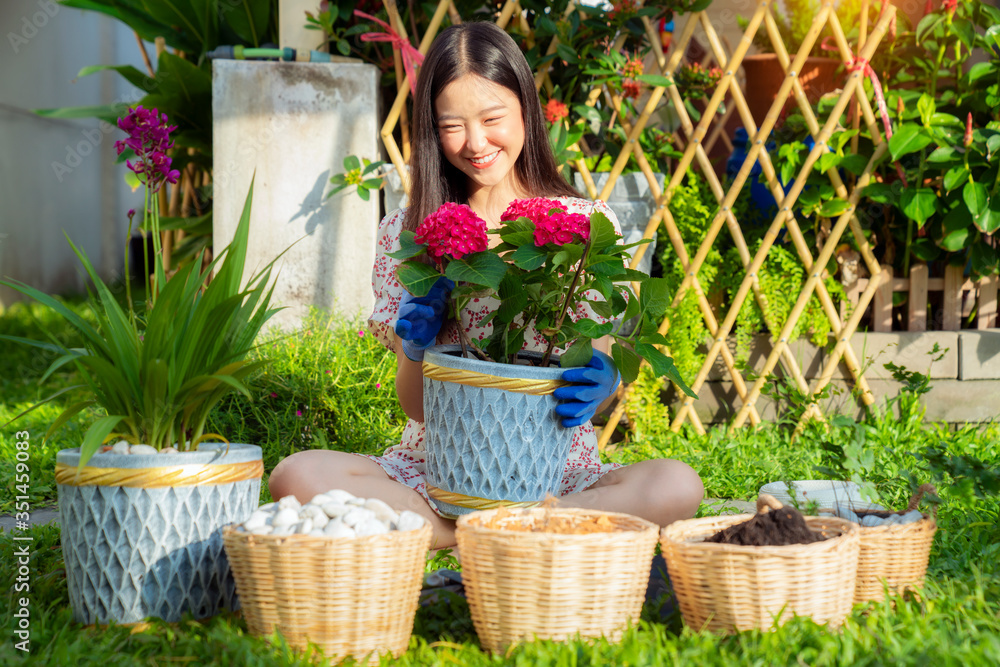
(452, 231)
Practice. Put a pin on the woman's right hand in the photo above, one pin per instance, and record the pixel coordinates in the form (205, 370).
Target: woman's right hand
(420, 318)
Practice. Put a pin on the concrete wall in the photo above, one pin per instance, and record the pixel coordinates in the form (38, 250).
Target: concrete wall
(59, 175)
(290, 126)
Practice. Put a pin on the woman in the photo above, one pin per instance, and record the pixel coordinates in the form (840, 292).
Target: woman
(479, 138)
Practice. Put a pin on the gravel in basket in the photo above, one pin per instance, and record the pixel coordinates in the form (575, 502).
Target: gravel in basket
(728, 588)
(351, 596)
(894, 550)
(524, 581)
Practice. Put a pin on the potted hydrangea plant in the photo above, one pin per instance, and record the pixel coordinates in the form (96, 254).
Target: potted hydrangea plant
(491, 430)
(141, 521)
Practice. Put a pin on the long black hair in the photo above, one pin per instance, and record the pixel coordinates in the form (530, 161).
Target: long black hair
(483, 49)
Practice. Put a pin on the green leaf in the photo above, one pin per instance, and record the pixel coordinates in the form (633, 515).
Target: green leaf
(344, 47)
(944, 155)
(826, 162)
(140, 80)
(663, 366)
(518, 232)
(417, 277)
(834, 207)
(956, 229)
(578, 354)
(988, 221)
(627, 362)
(926, 108)
(985, 260)
(95, 436)
(965, 30)
(918, 204)
(352, 162)
(654, 80)
(975, 197)
(955, 177)
(481, 268)
(592, 329)
(567, 53)
(248, 19)
(909, 138)
(408, 247)
(529, 257)
(981, 71)
(945, 120)
(107, 112)
(654, 298)
(854, 163)
(602, 232)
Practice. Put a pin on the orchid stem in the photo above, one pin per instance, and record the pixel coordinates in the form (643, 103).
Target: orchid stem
(566, 302)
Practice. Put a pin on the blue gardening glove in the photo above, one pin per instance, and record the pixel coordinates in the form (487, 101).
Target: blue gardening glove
(593, 384)
(420, 318)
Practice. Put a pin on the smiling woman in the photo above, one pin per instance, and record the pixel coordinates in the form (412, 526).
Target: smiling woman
(480, 149)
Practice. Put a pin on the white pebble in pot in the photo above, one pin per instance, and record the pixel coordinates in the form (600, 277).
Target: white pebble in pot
(370, 527)
(304, 526)
(285, 517)
(144, 449)
(358, 515)
(317, 532)
(382, 511)
(409, 520)
(356, 502)
(263, 530)
(290, 503)
(269, 507)
(120, 447)
(283, 530)
(338, 529)
(339, 495)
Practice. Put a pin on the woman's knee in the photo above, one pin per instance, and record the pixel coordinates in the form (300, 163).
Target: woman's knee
(298, 470)
(675, 486)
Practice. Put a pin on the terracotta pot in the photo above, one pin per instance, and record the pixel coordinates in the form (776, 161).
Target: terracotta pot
(765, 76)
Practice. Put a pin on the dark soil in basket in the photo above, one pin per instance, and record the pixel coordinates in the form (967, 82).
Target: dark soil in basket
(775, 528)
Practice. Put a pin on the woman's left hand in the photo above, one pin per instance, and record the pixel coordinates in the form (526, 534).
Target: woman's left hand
(593, 384)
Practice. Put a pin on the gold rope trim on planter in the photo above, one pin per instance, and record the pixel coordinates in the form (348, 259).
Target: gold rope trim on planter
(152, 478)
(474, 502)
(487, 381)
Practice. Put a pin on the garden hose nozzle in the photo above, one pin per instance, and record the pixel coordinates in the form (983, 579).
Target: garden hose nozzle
(239, 52)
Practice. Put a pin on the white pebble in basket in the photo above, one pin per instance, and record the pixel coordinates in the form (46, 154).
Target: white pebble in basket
(335, 513)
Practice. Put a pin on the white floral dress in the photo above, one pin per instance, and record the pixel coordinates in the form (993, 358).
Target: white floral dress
(406, 462)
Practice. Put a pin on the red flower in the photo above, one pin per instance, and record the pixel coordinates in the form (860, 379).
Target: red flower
(561, 228)
(632, 68)
(534, 209)
(555, 111)
(630, 88)
(949, 6)
(968, 130)
(452, 231)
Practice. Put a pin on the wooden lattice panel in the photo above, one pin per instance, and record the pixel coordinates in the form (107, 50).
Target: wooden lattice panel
(698, 139)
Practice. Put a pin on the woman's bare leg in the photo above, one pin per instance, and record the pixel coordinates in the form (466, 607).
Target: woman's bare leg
(658, 490)
(309, 472)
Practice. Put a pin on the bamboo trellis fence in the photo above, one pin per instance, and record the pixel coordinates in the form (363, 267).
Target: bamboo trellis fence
(696, 137)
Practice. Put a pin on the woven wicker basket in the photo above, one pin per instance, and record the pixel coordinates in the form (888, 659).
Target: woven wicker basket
(349, 596)
(727, 588)
(895, 556)
(524, 585)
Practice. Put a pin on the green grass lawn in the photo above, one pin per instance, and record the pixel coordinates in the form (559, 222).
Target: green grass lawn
(331, 386)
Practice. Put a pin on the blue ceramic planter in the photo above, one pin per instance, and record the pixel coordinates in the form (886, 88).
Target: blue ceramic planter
(489, 443)
(136, 552)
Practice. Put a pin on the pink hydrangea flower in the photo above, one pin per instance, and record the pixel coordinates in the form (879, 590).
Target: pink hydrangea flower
(533, 209)
(452, 231)
(561, 228)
